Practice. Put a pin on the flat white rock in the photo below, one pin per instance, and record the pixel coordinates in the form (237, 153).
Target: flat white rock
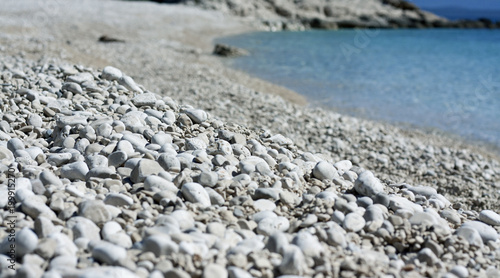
(368, 185)
(195, 193)
(489, 217)
(324, 171)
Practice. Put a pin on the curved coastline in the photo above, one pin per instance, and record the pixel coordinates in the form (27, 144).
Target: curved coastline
(453, 139)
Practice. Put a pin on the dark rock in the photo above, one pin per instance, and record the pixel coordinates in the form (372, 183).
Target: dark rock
(108, 39)
(228, 51)
(319, 23)
(401, 4)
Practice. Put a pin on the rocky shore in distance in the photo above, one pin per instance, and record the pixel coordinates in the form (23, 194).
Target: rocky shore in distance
(325, 14)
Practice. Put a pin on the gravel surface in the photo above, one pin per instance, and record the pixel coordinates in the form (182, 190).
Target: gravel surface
(147, 158)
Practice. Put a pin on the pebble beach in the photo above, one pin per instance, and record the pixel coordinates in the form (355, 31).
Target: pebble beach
(146, 157)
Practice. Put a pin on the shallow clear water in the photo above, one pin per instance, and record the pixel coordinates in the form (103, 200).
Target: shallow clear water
(437, 78)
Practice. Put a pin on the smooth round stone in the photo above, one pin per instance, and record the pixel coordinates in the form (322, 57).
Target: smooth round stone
(111, 73)
(15, 144)
(208, 179)
(160, 244)
(270, 225)
(184, 218)
(277, 242)
(257, 217)
(308, 243)
(48, 177)
(214, 270)
(382, 198)
(26, 242)
(216, 228)
(104, 130)
(145, 168)
(338, 217)
(107, 271)
(80, 77)
(68, 143)
(195, 144)
(267, 193)
(161, 139)
(5, 153)
(198, 116)
(195, 193)
(343, 165)
(247, 246)
(402, 203)
(354, 222)
(327, 195)
(65, 245)
(170, 163)
(46, 248)
(44, 226)
(115, 236)
(427, 256)
(110, 229)
(336, 237)
(83, 227)
(471, 235)
(215, 197)
(156, 183)
(367, 185)
(136, 140)
(34, 207)
(62, 262)
(364, 202)
(324, 171)
(309, 220)
(96, 161)
(35, 120)
(236, 272)
(489, 217)
(422, 218)
(95, 210)
(451, 216)
(126, 147)
(249, 164)
(487, 232)
(81, 145)
(145, 99)
(118, 200)
(460, 271)
(373, 213)
(264, 204)
(58, 159)
(75, 171)
(107, 253)
(426, 191)
(294, 262)
(93, 148)
(88, 132)
(116, 159)
(129, 83)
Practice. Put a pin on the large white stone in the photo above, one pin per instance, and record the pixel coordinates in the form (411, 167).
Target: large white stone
(489, 217)
(368, 185)
(195, 193)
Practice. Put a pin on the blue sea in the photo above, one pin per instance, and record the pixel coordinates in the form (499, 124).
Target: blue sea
(446, 79)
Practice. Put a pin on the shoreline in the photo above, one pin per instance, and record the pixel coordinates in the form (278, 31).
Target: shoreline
(431, 135)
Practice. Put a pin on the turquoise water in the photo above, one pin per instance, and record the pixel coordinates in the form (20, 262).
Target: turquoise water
(431, 78)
